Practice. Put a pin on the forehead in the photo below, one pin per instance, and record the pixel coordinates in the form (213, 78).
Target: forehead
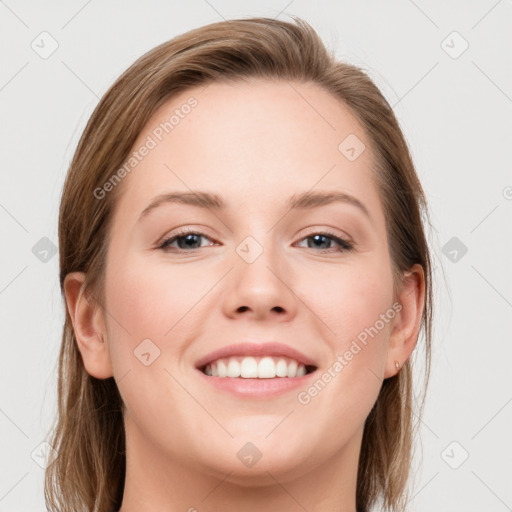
(251, 142)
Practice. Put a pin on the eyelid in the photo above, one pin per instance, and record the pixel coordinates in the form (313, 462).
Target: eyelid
(165, 243)
(344, 242)
(336, 232)
(186, 230)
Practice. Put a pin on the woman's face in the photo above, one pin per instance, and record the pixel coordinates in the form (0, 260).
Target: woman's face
(255, 270)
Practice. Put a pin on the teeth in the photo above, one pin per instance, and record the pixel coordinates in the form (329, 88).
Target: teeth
(233, 368)
(255, 368)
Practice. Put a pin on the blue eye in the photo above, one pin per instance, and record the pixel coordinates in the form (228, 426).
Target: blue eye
(186, 239)
(343, 245)
(189, 239)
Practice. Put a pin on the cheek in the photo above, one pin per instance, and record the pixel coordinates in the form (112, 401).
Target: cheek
(149, 300)
(353, 301)
(157, 302)
(359, 309)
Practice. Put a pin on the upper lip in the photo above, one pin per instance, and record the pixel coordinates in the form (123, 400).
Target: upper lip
(269, 348)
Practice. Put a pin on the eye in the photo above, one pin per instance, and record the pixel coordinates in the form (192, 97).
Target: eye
(189, 239)
(320, 238)
(186, 240)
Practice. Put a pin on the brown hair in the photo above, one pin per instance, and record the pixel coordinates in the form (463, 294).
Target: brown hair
(88, 471)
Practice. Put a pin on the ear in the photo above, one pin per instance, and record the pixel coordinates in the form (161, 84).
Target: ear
(406, 326)
(89, 326)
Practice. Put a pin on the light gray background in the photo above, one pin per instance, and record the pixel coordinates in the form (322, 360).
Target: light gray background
(455, 111)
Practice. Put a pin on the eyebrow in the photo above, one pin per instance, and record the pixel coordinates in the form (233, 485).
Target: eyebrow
(207, 200)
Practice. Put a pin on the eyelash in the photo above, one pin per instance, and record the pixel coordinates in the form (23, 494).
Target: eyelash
(343, 245)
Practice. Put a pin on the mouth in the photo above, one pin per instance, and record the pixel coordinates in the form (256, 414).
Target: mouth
(253, 360)
(256, 371)
(249, 367)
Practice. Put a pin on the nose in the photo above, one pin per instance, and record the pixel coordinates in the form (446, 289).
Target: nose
(260, 289)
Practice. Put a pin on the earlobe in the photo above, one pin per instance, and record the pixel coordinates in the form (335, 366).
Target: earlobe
(407, 323)
(89, 326)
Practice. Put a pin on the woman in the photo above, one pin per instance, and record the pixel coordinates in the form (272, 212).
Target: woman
(246, 274)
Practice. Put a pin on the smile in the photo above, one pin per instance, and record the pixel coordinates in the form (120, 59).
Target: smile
(248, 367)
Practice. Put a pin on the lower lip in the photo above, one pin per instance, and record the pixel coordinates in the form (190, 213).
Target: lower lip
(257, 388)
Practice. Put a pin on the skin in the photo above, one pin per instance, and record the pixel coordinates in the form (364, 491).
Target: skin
(255, 144)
